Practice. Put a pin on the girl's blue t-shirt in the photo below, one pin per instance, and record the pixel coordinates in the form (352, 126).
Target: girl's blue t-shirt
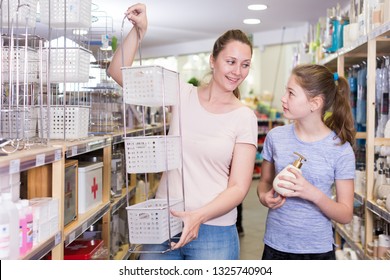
(299, 226)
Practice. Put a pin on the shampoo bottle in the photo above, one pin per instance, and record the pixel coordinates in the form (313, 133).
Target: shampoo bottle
(295, 165)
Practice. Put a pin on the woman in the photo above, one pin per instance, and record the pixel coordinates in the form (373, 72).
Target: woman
(299, 221)
(219, 136)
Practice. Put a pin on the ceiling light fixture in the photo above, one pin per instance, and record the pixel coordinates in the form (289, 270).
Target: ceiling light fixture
(257, 7)
(251, 21)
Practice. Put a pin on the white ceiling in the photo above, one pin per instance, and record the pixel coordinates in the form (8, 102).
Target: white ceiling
(179, 21)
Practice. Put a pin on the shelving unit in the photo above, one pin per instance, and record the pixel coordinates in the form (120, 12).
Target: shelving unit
(264, 125)
(366, 48)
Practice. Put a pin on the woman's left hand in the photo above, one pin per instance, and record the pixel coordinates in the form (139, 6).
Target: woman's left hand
(190, 230)
(300, 186)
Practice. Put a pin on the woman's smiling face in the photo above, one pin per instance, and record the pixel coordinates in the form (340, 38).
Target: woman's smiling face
(232, 65)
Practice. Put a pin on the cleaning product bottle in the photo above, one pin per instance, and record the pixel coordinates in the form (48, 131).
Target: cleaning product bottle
(297, 164)
(29, 223)
(4, 232)
(13, 216)
(22, 229)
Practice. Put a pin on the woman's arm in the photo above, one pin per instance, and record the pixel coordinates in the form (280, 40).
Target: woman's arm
(240, 179)
(137, 15)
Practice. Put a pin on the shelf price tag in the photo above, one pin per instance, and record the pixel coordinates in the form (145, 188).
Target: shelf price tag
(57, 155)
(14, 166)
(40, 160)
(74, 150)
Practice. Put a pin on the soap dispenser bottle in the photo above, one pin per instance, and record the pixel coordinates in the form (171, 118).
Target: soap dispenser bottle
(297, 166)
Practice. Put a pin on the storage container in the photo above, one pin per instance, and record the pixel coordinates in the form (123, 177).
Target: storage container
(82, 249)
(75, 125)
(150, 86)
(152, 154)
(21, 13)
(70, 195)
(90, 185)
(78, 13)
(149, 222)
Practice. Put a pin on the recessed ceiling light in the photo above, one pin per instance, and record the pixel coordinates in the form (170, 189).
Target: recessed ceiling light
(257, 7)
(251, 21)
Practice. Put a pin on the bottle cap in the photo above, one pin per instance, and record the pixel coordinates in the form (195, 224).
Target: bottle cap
(298, 162)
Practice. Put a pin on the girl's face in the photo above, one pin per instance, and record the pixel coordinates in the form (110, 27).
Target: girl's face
(295, 102)
(232, 65)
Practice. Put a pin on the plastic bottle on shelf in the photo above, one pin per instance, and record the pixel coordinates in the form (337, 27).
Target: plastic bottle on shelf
(29, 223)
(4, 232)
(13, 216)
(22, 229)
(361, 102)
(380, 180)
(353, 88)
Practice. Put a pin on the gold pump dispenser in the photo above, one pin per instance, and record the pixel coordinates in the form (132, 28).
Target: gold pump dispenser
(298, 162)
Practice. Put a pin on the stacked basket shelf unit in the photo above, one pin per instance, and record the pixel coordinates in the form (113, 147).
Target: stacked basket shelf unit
(150, 222)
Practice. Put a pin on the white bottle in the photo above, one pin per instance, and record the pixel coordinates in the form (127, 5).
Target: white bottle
(13, 216)
(295, 165)
(4, 232)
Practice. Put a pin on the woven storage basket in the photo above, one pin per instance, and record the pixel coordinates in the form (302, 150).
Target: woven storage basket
(152, 154)
(150, 86)
(148, 221)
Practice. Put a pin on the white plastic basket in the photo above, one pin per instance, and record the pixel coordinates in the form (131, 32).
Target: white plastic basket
(75, 125)
(152, 154)
(148, 221)
(150, 86)
(74, 62)
(78, 13)
(23, 16)
(18, 123)
(22, 70)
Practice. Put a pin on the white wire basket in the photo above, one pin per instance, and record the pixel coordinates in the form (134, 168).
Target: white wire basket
(18, 123)
(20, 65)
(149, 221)
(21, 14)
(69, 65)
(150, 86)
(75, 125)
(78, 13)
(152, 154)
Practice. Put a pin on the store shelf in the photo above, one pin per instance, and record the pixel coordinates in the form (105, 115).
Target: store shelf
(378, 210)
(119, 202)
(29, 158)
(366, 49)
(359, 197)
(42, 249)
(75, 148)
(84, 221)
(149, 130)
(357, 247)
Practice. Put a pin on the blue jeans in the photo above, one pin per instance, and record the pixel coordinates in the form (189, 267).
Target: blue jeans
(213, 243)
